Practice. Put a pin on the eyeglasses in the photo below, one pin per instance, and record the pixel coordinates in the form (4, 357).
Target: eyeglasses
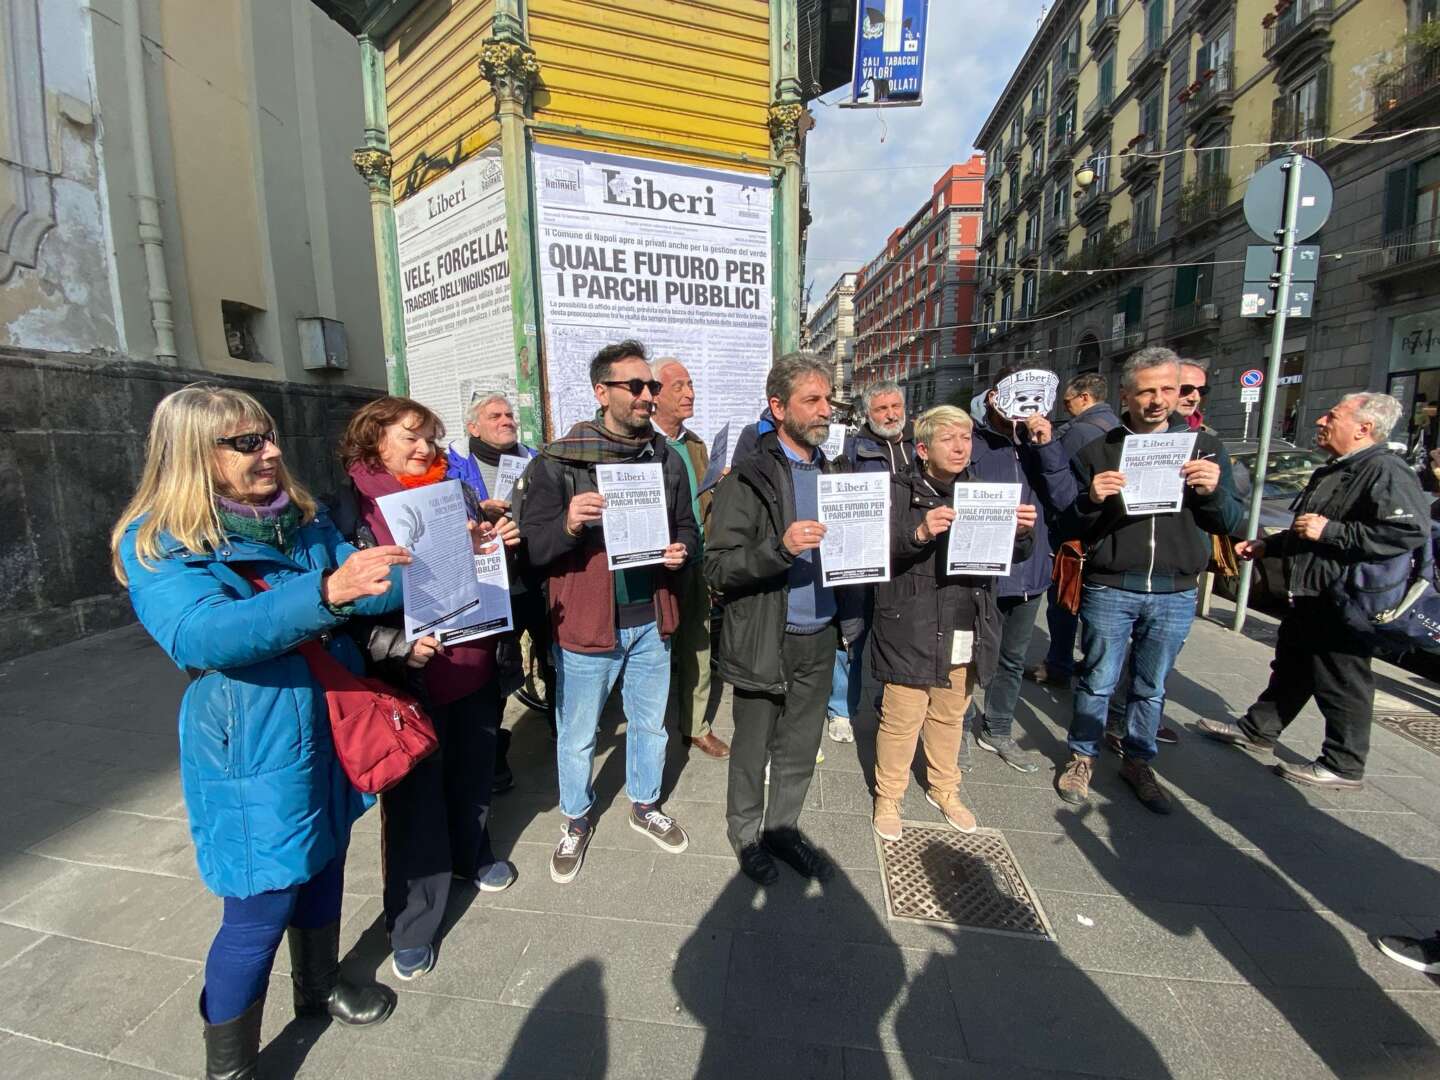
(248, 443)
(637, 385)
(1203, 391)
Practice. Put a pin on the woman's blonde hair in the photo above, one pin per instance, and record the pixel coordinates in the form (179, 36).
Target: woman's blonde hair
(178, 486)
(933, 421)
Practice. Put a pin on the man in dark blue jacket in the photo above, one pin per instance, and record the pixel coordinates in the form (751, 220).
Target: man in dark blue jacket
(1023, 452)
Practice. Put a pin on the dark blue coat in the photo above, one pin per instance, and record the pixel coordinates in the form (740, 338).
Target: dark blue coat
(1046, 481)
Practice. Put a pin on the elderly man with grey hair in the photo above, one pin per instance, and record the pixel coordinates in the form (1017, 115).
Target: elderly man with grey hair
(1364, 505)
(1139, 578)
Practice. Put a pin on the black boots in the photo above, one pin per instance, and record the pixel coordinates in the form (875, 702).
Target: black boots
(232, 1048)
(319, 990)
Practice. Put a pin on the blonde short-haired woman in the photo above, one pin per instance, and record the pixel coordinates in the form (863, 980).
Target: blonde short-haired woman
(270, 808)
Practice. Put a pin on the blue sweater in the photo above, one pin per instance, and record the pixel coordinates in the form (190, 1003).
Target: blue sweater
(811, 605)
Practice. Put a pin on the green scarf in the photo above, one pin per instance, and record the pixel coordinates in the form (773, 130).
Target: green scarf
(591, 443)
(277, 530)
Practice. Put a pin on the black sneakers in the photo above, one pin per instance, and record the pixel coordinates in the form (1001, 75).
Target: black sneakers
(569, 854)
(792, 848)
(757, 865)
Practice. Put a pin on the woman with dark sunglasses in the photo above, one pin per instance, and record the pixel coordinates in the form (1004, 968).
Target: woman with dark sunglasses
(436, 820)
(270, 808)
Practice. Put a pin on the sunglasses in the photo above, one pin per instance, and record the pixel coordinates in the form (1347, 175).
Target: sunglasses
(248, 443)
(1203, 391)
(635, 386)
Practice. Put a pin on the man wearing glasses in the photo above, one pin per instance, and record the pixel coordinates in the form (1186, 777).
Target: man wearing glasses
(607, 621)
(1194, 377)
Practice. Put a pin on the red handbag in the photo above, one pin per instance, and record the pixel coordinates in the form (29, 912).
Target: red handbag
(380, 733)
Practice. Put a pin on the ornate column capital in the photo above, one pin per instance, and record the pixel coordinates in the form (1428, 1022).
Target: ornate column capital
(785, 118)
(374, 166)
(511, 70)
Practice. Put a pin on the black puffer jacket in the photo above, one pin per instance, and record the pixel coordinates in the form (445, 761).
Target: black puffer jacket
(748, 566)
(1376, 511)
(915, 611)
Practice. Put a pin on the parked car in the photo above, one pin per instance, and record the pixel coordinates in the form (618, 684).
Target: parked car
(1287, 471)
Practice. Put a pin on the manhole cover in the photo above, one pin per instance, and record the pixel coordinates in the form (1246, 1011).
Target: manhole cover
(937, 875)
(1420, 727)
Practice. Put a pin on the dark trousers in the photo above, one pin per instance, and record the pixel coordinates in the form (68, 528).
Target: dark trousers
(437, 820)
(1060, 660)
(1315, 657)
(786, 731)
(243, 952)
(1002, 693)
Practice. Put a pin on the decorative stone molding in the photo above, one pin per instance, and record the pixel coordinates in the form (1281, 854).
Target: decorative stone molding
(511, 70)
(374, 166)
(27, 202)
(785, 121)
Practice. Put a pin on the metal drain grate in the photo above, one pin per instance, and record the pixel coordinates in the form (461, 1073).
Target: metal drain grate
(1421, 728)
(937, 875)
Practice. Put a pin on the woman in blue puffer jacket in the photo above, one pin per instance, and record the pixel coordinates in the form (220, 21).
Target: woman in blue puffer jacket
(270, 808)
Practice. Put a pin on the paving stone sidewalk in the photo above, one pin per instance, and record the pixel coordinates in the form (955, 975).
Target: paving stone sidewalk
(1226, 940)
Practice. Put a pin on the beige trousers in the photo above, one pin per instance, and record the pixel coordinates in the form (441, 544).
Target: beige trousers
(906, 714)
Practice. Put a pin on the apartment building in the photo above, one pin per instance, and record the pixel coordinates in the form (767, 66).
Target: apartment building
(1118, 157)
(830, 332)
(914, 301)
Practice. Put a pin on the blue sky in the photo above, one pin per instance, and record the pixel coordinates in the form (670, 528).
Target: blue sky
(856, 195)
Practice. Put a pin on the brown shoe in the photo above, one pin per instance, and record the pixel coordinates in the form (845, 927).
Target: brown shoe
(1141, 777)
(711, 745)
(1074, 780)
(1313, 774)
(887, 818)
(955, 811)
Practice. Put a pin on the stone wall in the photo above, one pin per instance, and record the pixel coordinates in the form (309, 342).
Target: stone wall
(72, 443)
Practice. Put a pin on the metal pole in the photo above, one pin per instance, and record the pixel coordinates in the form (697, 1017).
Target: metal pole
(1272, 375)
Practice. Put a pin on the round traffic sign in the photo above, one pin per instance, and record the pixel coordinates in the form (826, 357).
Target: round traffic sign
(1253, 377)
(1265, 199)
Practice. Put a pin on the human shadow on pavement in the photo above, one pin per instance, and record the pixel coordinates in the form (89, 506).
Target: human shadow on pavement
(551, 1023)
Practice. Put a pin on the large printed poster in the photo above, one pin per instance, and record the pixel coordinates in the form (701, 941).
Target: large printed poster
(678, 257)
(455, 285)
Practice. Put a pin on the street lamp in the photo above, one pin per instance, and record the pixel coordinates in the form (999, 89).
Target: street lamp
(1085, 175)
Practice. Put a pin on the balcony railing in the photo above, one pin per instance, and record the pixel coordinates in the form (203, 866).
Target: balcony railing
(1411, 90)
(1105, 23)
(1098, 111)
(1413, 249)
(1137, 161)
(1212, 92)
(1065, 74)
(1057, 226)
(1036, 120)
(1150, 56)
(1031, 184)
(1301, 19)
(1135, 247)
(1194, 317)
(1204, 199)
(1305, 134)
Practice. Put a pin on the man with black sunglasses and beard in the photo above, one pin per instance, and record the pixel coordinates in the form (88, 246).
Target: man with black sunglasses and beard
(607, 621)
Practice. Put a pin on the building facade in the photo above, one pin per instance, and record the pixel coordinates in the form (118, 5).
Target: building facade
(1156, 104)
(177, 203)
(830, 332)
(915, 300)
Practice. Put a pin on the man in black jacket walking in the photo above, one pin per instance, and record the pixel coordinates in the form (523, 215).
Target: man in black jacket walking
(1364, 506)
(778, 637)
(1140, 575)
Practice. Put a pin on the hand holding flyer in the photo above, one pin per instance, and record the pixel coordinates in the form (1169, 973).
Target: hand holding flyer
(511, 466)
(1151, 464)
(636, 524)
(855, 510)
(441, 590)
(982, 537)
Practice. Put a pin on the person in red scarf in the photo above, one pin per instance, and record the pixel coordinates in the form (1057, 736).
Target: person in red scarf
(435, 821)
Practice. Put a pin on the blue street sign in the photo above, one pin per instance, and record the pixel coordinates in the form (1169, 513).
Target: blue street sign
(889, 52)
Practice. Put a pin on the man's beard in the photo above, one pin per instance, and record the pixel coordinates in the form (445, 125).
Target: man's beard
(634, 422)
(815, 436)
(889, 432)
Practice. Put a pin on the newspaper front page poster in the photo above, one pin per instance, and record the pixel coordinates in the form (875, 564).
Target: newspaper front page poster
(855, 510)
(1151, 464)
(675, 256)
(637, 527)
(455, 288)
(982, 536)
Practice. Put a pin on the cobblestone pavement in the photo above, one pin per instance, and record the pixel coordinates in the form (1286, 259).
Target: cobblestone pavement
(1226, 940)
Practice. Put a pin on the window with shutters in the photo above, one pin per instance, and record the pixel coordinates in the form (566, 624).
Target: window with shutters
(1027, 295)
(1192, 284)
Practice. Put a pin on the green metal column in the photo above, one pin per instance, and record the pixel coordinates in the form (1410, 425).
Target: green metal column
(373, 163)
(787, 110)
(508, 63)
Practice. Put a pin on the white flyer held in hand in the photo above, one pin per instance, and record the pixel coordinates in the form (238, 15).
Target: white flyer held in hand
(1151, 464)
(855, 510)
(511, 466)
(834, 443)
(493, 616)
(442, 593)
(637, 527)
(982, 536)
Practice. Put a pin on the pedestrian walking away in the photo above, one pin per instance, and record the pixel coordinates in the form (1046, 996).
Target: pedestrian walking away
(779, 633)
(436, 821)
(1139, 579)
(690, 685)
(936, 636)
(1364, 505)
(270, 814)
(605, 621)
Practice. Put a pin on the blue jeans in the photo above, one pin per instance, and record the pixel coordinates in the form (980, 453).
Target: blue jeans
(1155, 625)
(839, 703)
(1060, 660)
(238, 966)
(582, 683)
